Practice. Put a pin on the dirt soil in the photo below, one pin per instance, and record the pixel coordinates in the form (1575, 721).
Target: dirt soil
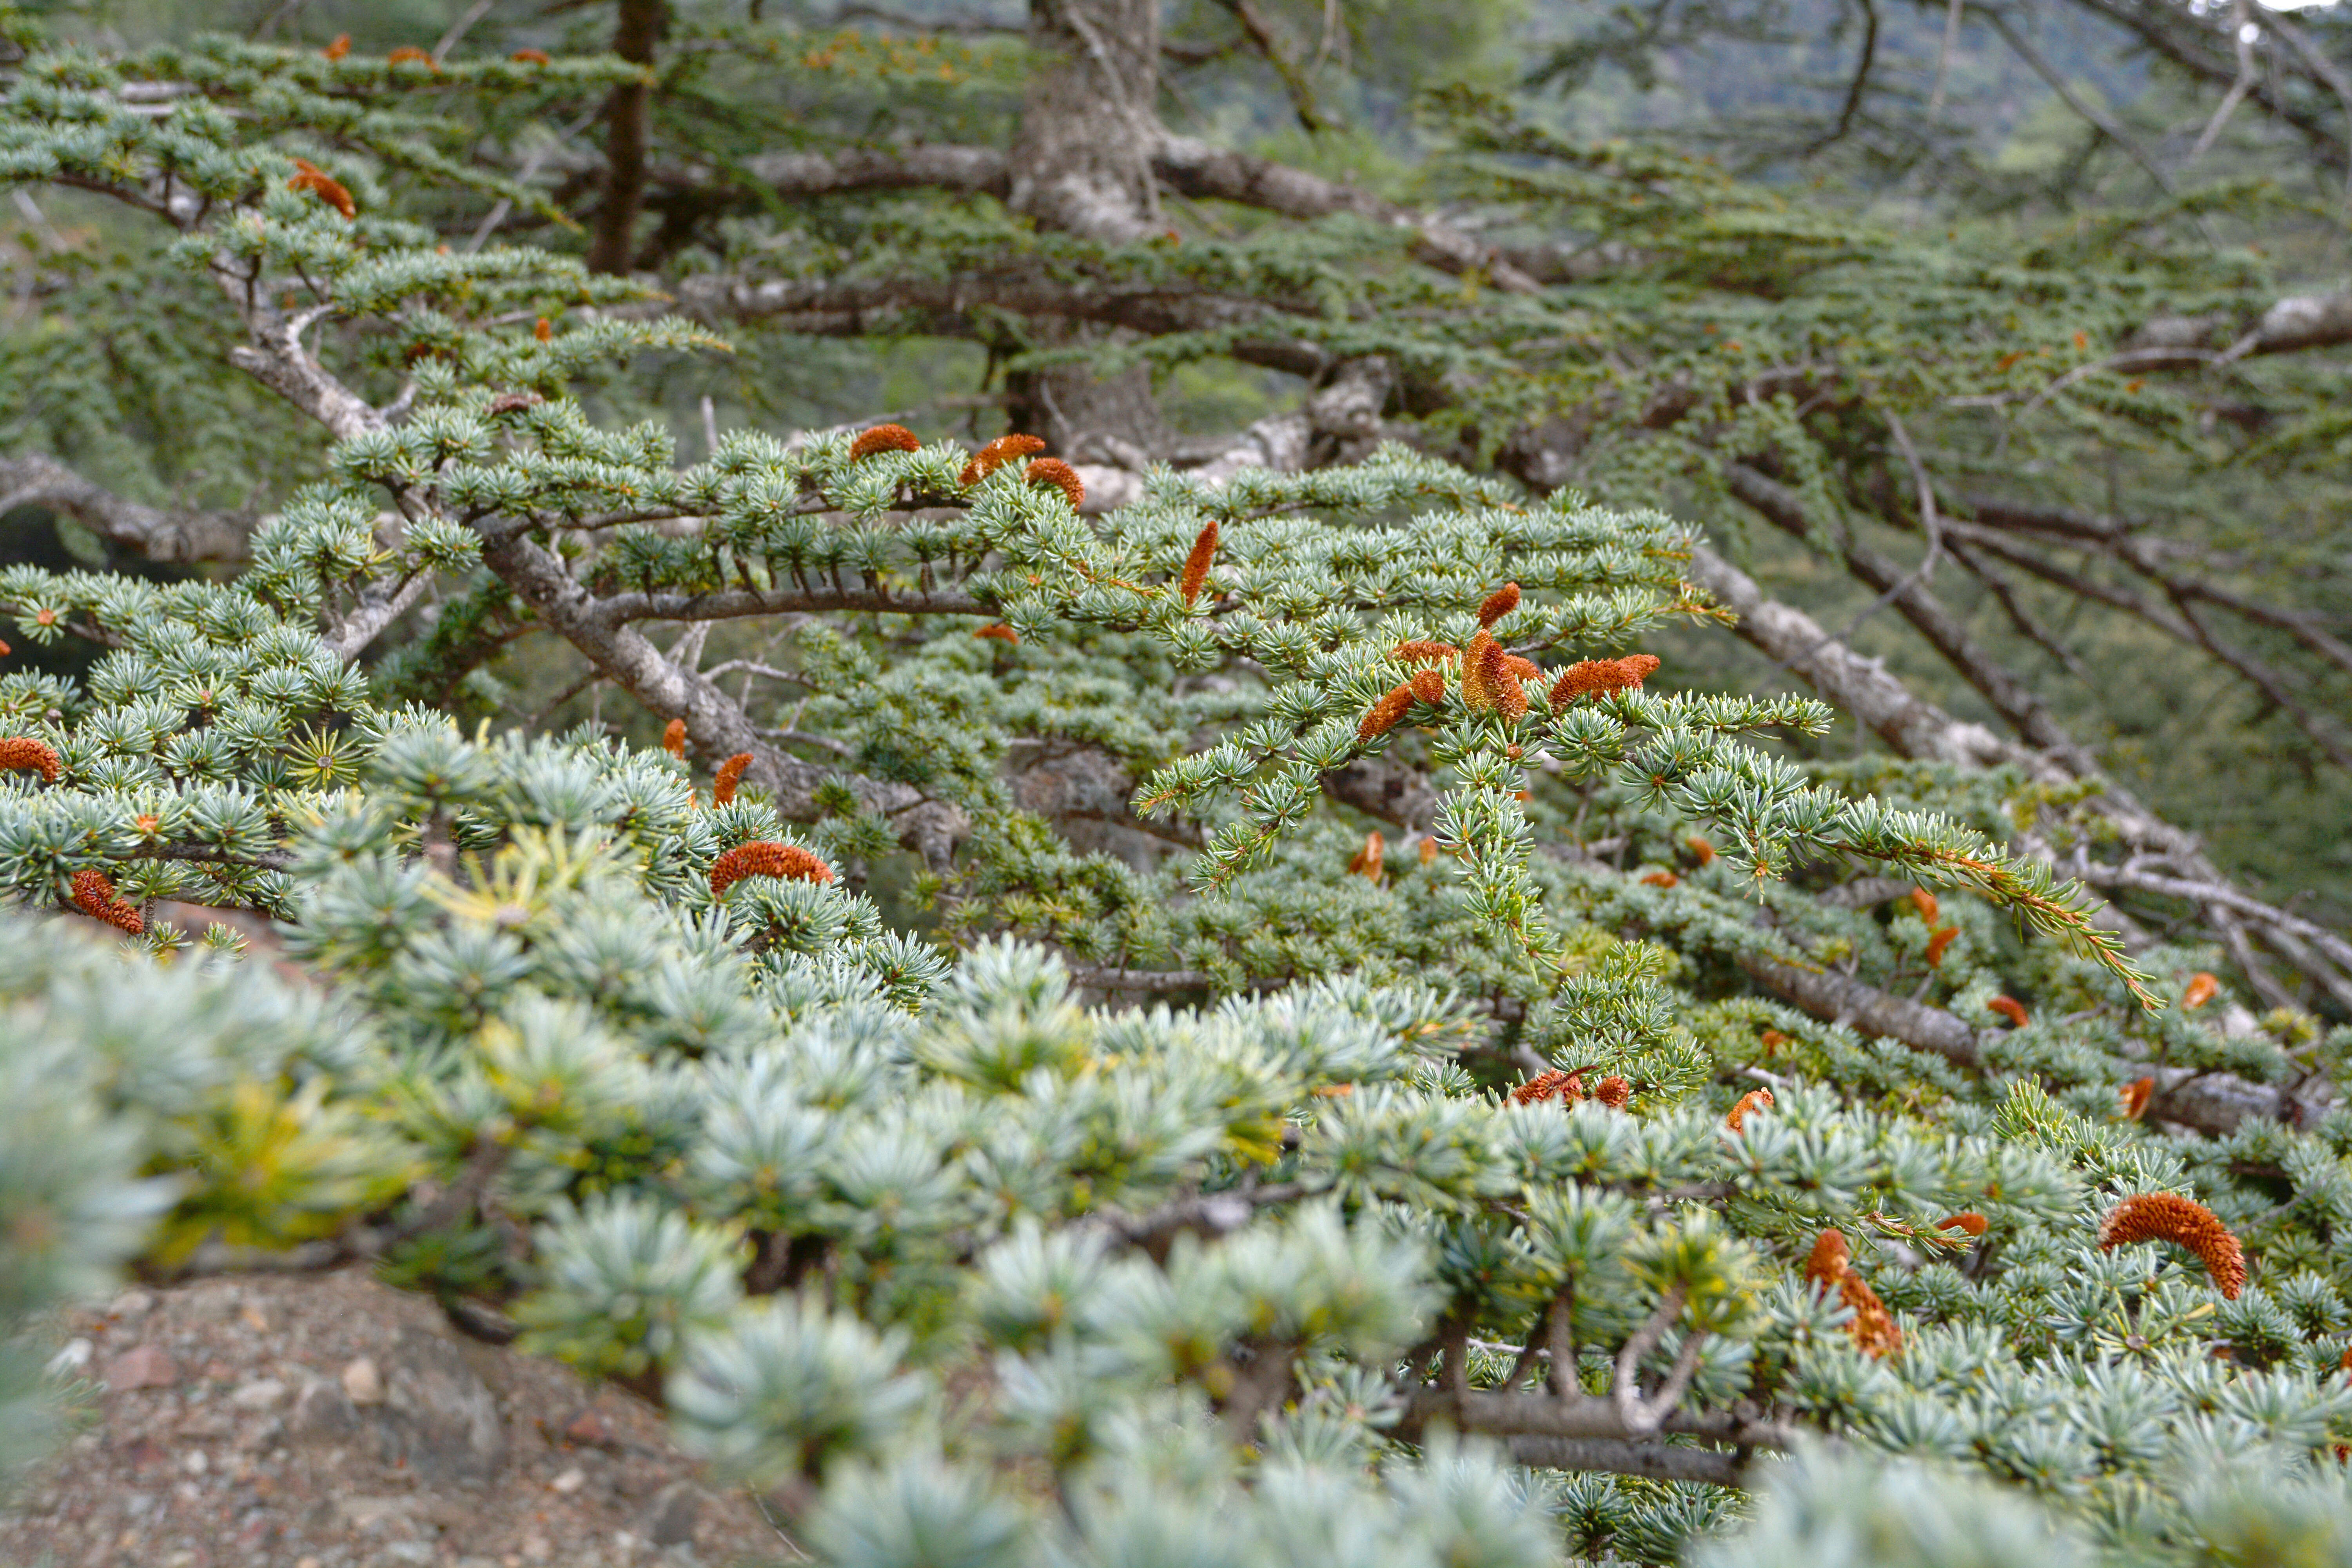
(331, 1421)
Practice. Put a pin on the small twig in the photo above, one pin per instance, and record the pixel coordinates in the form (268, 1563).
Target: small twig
(2102, 123)
(505, 205)
(1860, 84)
(285, 11)
(2242, 26)
(460, 27)
(593, 677)
(2023, 619)
(802, 737)
(1930, 522)
(1944, 57)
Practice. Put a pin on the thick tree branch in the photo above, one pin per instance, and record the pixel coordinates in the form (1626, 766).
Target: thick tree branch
(1862, 686)
(1185, 165)
(1622, 1457)
(2291, 325)
(155, 533)
(798, 175)
(1144, 981)
(1583, 1431)
(1196, 169)
(2209, 1103)
(276, 358)
(1837, 998)
(733, 604)
(960, 306)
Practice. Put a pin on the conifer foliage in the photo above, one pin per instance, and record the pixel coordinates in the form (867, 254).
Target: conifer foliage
(1246, 1203)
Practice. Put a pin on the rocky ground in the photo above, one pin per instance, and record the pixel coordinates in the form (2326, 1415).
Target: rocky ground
(331, 1422)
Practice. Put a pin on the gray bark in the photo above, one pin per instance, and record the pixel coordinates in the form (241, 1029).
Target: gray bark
(159, 534)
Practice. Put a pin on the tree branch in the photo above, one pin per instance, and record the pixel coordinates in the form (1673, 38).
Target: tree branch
(2171, 33)
(2209, 1103)
(1653, 1460)
(1148, 981)
(2102, 122)
(734, 604)
(1586, 1431)
(2291, 325)
(798, 175)
(2277, 685)
(2010, 698)
(959, 306)
(1918, 729)
(1260, 33)
(1195, 169)
(1859, 83)
(1836, 998)
(175, 535)
(716, 726)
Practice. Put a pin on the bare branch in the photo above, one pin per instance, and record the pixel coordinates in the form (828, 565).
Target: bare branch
(1196, 169)
(2277, 685)
(2173, 32)
(2291, 325)
(460, 27)
(1838, 999)
(2217, 891)
(1918, 729)
(2210, 1102)
(2010, 698)
(981, 169)
(1210, 1215)
(1148, 981)
(2097, 119)
(1944, 59)
(1863, 687)
(1655, 1461)
(716, 725)
(734, 604)
(1639, 1416)
(381, 604)
(1260, 33)
(956, 307)
(2028, 624)
(179, 534)
(2124, 540)
(1859, 83)
(2242, 24)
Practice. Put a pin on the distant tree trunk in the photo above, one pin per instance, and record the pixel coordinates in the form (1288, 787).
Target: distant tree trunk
(1082, 160)
(627, 128)
(1081, 164)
